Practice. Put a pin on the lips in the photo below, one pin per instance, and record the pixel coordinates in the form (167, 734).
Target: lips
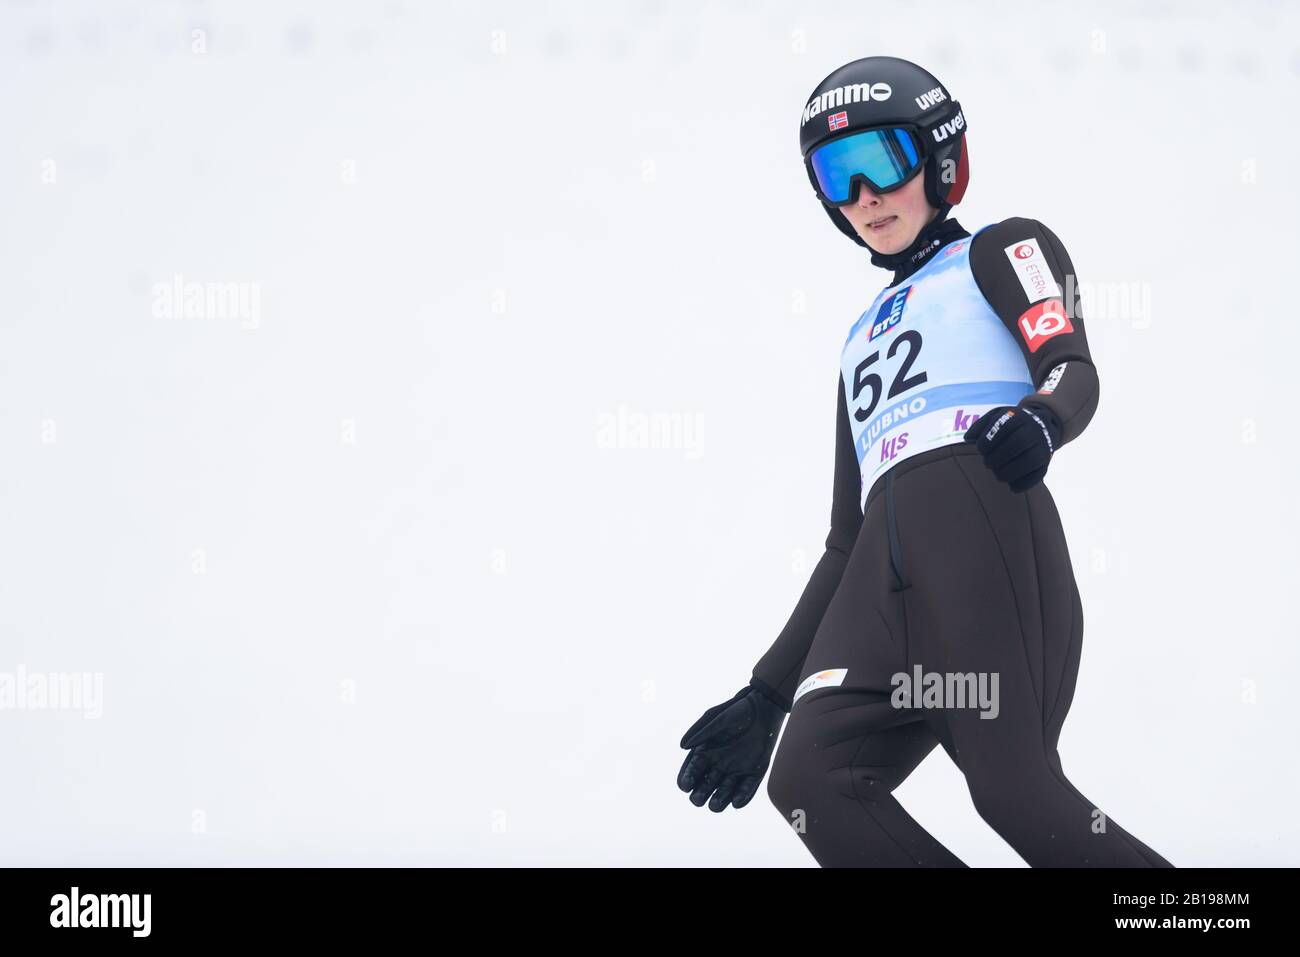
(881, 223)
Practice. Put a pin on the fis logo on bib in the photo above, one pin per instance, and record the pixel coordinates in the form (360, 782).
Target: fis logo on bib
(890, 314)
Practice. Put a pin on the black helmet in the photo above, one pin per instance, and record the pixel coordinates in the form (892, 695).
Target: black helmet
(919, 126)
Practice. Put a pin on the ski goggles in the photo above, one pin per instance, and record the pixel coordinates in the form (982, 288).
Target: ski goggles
(885, 158)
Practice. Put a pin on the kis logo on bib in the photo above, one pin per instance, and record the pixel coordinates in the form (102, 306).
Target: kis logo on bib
(1043, 320)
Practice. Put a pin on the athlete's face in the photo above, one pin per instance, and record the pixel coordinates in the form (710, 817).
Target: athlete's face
(888, 222)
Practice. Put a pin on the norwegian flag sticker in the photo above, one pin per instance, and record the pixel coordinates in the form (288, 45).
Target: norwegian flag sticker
(839, 120)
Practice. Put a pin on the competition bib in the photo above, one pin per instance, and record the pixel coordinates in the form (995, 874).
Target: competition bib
(928, 358)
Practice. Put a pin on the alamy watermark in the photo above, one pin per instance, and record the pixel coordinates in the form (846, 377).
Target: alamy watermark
(629, 429)
(129, 911)
(946, 689)
(1101, 300)
(24, 690)
(182, 299)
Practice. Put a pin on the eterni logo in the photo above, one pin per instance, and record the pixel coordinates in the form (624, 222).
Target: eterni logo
(1031, 269)
(102, 910)
(830, 678)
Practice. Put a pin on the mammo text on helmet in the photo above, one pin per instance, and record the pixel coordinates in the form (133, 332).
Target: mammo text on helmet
(853, 93)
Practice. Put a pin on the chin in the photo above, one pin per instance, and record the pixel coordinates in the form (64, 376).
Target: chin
(886, 248)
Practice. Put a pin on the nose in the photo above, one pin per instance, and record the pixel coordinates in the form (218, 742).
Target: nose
(866, 195)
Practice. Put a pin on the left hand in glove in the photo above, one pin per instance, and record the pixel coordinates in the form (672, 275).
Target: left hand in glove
(730, 748)
(1017, 443)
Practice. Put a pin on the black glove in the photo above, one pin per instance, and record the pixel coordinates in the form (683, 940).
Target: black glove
(731, 745)
(1017, 443)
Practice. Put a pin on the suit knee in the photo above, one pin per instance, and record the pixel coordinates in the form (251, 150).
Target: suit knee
(1002, 802)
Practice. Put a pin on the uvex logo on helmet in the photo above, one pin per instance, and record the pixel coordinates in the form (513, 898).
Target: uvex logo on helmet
(951, 128)
(931, 98)
(853, 93)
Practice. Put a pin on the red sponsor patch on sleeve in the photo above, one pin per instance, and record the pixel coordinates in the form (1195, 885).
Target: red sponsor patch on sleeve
(1043, 320)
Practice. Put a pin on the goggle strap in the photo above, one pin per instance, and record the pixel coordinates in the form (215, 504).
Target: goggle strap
(947, 116)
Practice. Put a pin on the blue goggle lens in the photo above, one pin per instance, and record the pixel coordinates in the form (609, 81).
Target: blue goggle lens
(887, 157)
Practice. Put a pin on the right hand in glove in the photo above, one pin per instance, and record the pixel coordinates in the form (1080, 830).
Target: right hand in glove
(731, 745)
